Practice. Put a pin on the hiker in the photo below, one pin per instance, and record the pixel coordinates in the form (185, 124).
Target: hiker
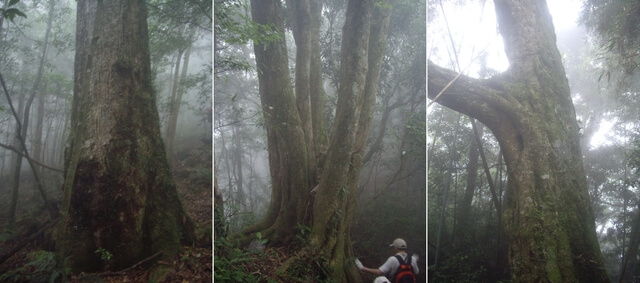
(399, 266)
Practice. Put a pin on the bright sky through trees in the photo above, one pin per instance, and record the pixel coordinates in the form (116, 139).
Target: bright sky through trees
(474, 33)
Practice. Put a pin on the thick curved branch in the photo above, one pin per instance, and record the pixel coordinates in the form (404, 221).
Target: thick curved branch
(485, 100)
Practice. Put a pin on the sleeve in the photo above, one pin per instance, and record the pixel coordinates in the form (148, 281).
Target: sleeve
(414, 264)
(390, 265)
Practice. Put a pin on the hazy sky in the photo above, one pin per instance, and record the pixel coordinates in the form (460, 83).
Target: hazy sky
(473, 28)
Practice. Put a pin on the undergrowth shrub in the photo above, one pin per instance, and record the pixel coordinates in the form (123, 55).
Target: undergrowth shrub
(41, 267)
(460, 267)
(229, 263)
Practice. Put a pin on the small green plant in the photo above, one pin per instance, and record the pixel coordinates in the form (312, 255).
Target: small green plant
(105, 255)
(261, 240)
(303, 233)
(229, 263)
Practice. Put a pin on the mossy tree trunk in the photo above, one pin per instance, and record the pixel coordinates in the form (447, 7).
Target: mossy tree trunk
(548, 220)
(119, 195)
(319, 194)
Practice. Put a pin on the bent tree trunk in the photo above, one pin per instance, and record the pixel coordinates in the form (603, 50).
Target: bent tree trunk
(119, 195)
(306, 193)
(548, 220)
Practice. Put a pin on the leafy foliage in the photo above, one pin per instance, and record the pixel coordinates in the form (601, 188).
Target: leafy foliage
(233, 26)
(617, 28)
(10, 13)
(228, 264)
(462, 267)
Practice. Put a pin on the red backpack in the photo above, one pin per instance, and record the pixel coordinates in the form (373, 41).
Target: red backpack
(404, 274)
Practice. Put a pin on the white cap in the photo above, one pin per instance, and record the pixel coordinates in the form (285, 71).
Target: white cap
(399, 244)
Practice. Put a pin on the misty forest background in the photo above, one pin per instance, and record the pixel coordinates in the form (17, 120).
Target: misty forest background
(392, 187)
(37, 47)
(466, 172)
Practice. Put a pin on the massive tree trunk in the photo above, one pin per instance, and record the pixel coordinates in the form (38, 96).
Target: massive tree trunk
(119, 195)
(295, 130)
(363, 45)
(548, 219)
(286, 142)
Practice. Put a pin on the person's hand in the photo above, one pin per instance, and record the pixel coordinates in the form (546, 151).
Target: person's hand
(359, 264)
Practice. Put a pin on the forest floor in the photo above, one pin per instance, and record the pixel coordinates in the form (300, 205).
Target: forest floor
(35, 260)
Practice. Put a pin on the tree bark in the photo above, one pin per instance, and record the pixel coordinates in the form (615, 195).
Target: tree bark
(548, 219)
(328, 208)
(286, 142)
(363, 45)
(119, 195)
(300, 15)
(316, 81)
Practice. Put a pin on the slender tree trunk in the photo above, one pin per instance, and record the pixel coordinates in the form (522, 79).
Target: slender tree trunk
(172, 98)
(316, 81)
(464, 231)
(25, 120)
(548, 219)
(176, 101)
(219, 223)
(300, 15)
(445, 194)
(238, 153)
(630, 258)
(37, 136)
(119, 194)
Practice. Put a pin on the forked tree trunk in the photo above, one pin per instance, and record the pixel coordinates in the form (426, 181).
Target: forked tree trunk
(119, 195)
(548, 219)
(294, 141)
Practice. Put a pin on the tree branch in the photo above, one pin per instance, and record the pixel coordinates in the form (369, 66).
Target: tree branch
(34, 161)
(485, 100)
(25, 152)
